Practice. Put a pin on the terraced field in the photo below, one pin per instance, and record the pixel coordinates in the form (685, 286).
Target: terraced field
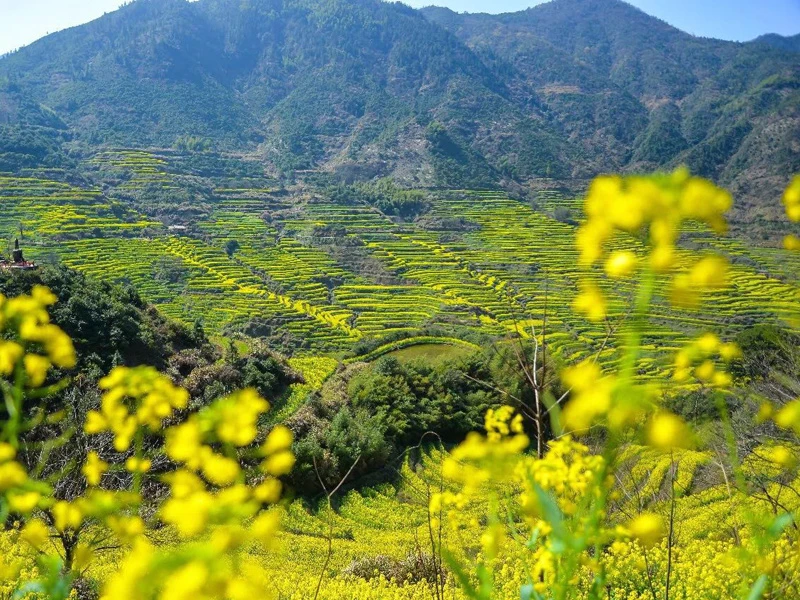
(327, 274)
(38, 210)
(143, 168)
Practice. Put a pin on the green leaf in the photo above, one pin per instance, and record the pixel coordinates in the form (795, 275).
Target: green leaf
(528, 592)
(780, 523)
(553, 515)
(487, 582)
(461, 576)
(758, 588)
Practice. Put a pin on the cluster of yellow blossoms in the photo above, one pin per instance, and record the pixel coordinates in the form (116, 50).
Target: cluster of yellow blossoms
(791, 201)
(617, 403)
(190, 444)
(28, 318)
(659, 202)
(699, 358)
(30, 346)
(596, 396)
(556, 496)
(32, 341)
(153, 397)
(461, 464)
(218, 505)
(14, 483)
(217, 510)
(654, 208)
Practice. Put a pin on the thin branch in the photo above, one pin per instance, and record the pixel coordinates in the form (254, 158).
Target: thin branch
(330, 520)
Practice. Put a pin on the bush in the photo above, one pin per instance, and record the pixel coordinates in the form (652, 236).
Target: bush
(414, 568)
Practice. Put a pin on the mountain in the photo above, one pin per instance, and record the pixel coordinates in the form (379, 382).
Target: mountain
(638, 94)
(566, 89)
(306, 82)
(791, 43)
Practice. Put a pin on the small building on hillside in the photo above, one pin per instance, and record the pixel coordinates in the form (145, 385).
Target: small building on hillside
(17, 261)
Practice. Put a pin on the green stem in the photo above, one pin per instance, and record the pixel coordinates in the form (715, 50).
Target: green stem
(13, 398)
(139, 454)
(633, 336)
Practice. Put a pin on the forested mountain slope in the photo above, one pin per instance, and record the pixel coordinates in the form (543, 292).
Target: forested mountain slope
(563, 90)
(636, 93)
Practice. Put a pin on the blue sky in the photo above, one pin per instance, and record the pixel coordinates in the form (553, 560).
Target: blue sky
(24, 21)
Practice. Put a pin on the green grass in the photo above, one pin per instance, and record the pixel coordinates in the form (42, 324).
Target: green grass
(433, 354)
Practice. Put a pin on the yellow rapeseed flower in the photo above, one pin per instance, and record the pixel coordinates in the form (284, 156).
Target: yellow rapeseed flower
(791, 199)
(590, 238)
(219, 470)
(662, 258)
(7, 452)
(788, 417)
(35, 533)
(43, 295)
(586, 407)
(705, 371)
(279, 463)
(94, 467)
(123, 584)
(279, 439)
(590, 302)
(791, 242)
(184, 442)
(647, 528)
(59, 348)
(184, 483)
(730, 351)
(36, 368)
(24, 502)
(236, 416)
(127, 529)
(186, 583)
(667, 431)
(268, 491)
(189, 515)
(709, 273)
(10, 355)
(66, 515)
(12, 474)
(621, 263)
(138, 465)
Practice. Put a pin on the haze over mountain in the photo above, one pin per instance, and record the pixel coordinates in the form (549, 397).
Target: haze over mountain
(563, 90)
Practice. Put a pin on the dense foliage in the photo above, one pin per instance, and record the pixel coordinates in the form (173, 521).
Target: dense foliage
(568, 89)
(369, 415)
(109, 324)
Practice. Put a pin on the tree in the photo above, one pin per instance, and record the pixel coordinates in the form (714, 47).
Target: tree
(231, 247)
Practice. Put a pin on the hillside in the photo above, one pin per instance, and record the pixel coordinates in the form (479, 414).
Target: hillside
(334, 268)
(564, 90)
(791, 43)
(638, 94)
